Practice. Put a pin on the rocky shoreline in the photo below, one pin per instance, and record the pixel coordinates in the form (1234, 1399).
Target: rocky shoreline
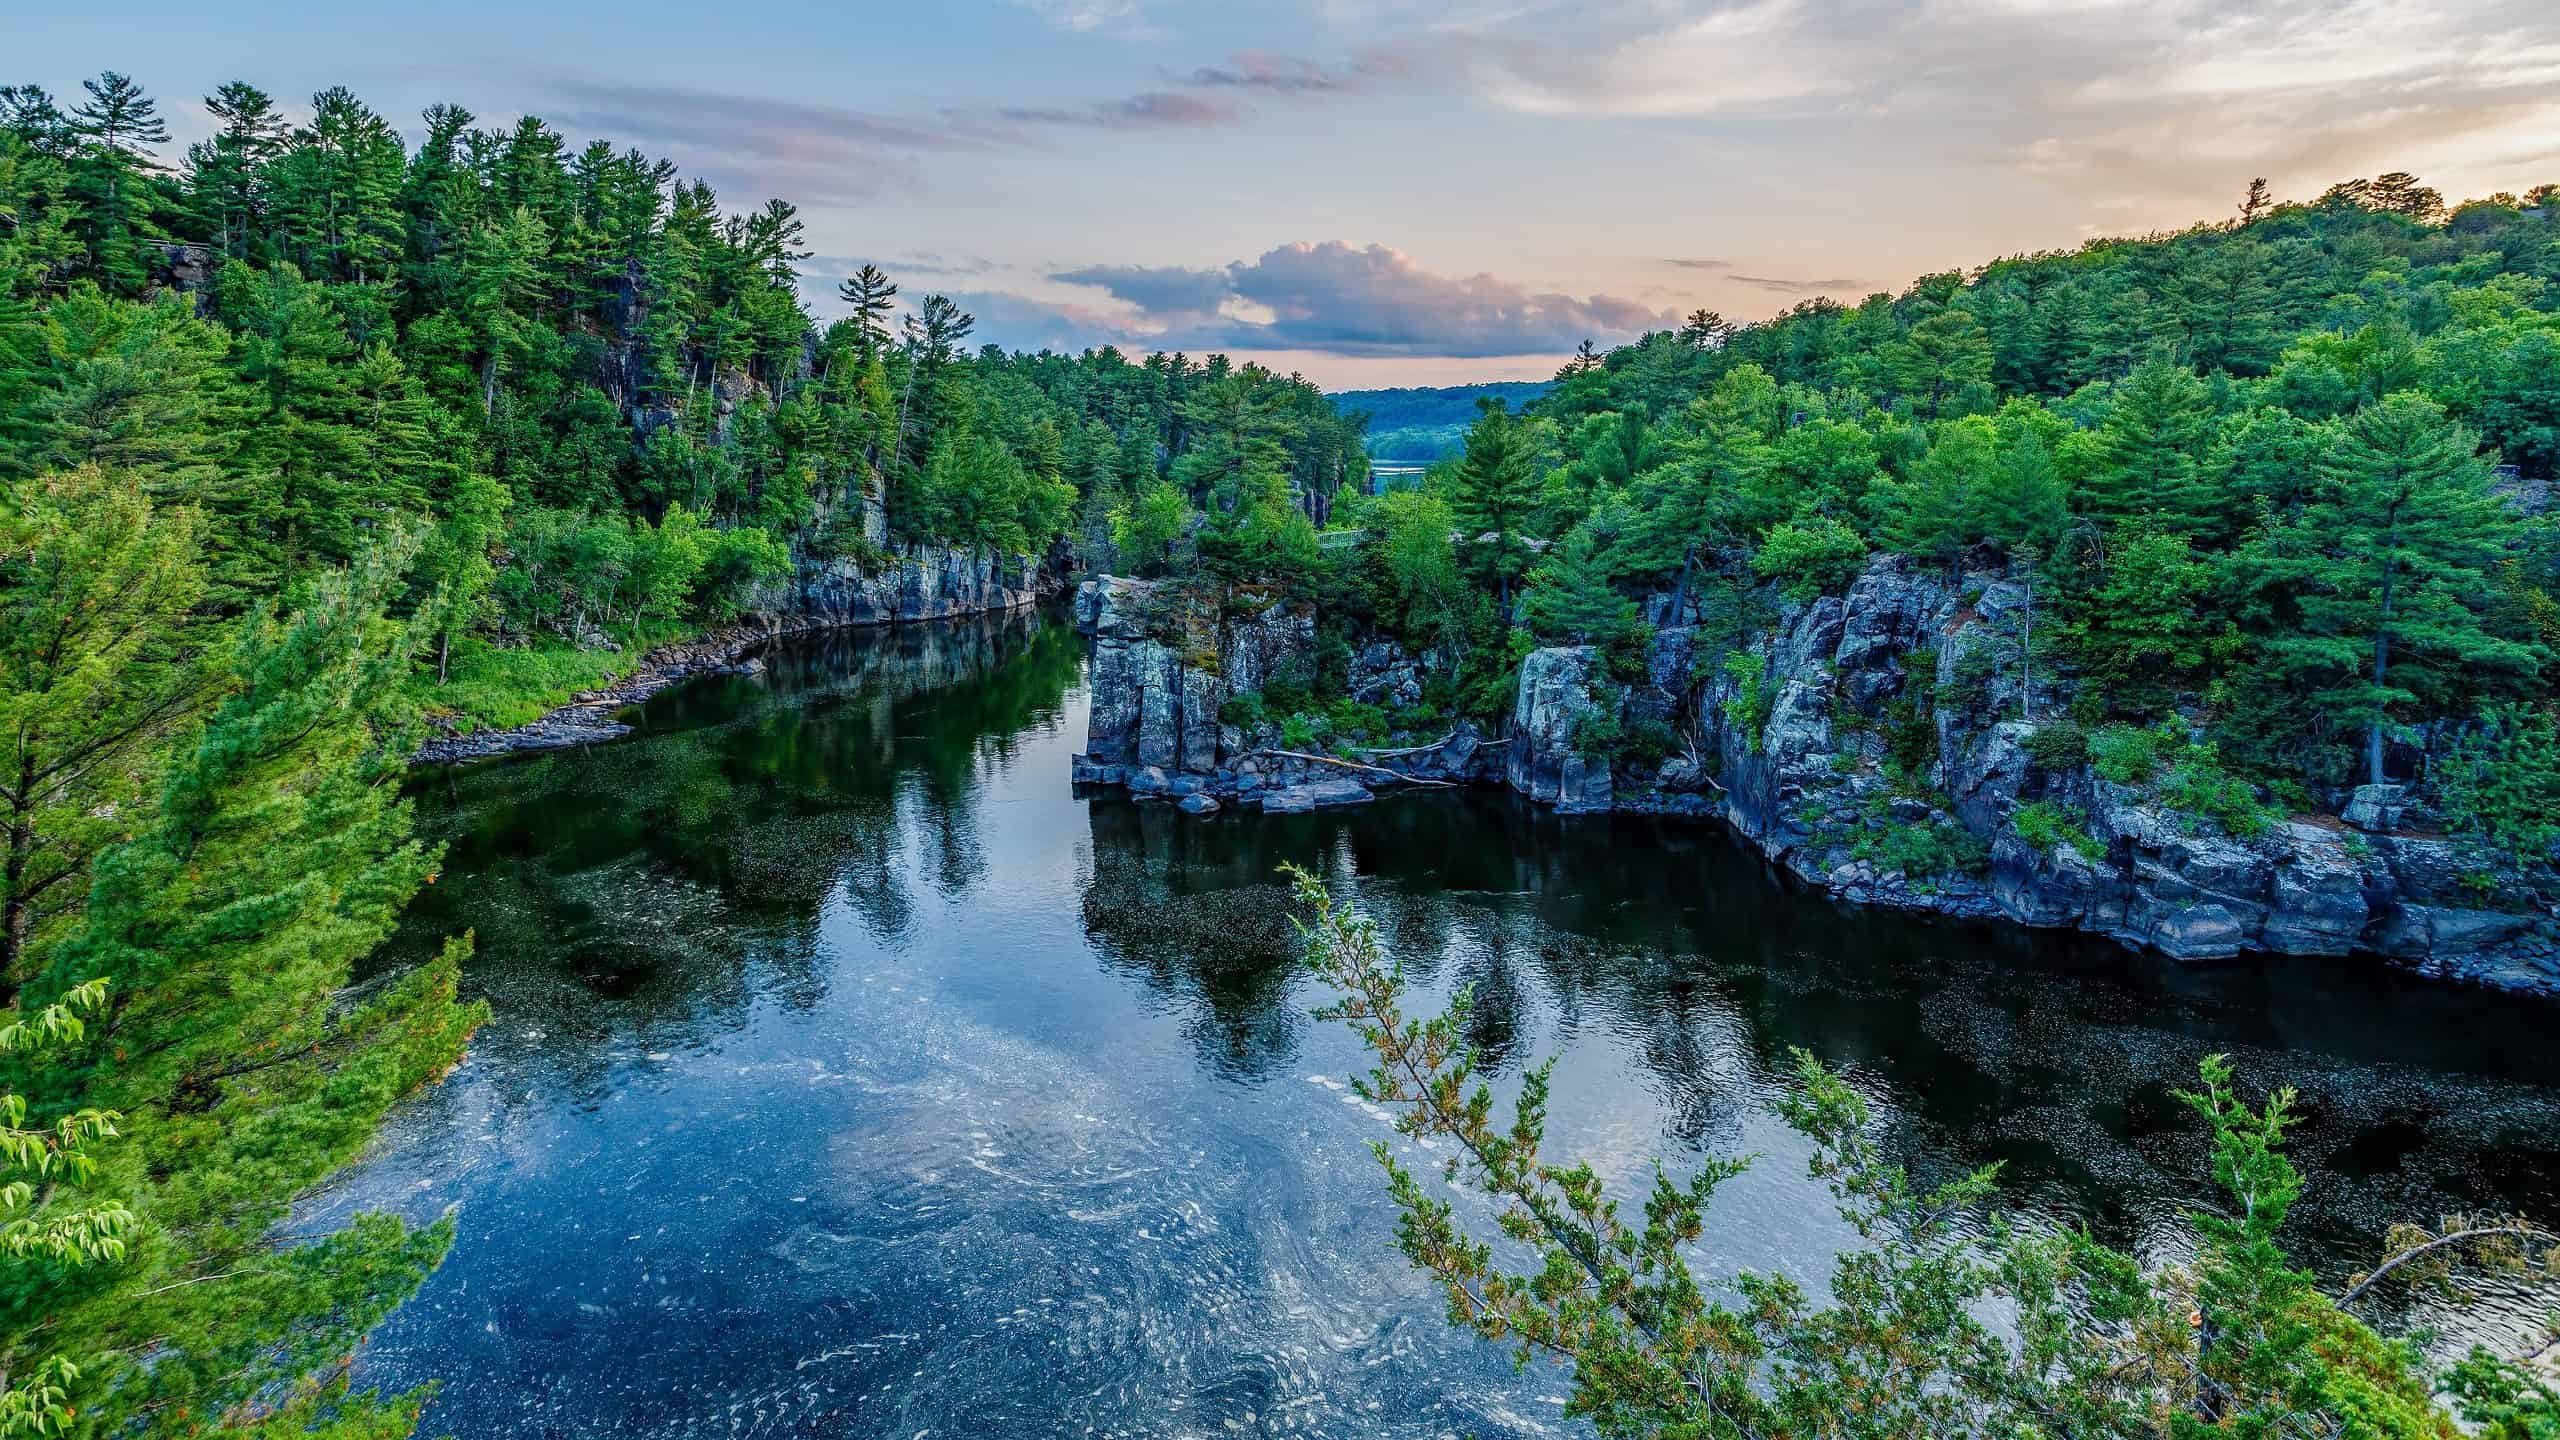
(1798, 732)
(919, 583)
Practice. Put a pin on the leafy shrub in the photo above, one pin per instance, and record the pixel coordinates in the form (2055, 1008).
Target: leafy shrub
(2198, 784)
(1923, 850)
(2501, 783)
(1303, 731)
(2058, 745)
(1752, 702)
(2046, 825)
(1351, 720)
(1629, 654)
(1598, 733)
(1244, 711)
(1965, 690)
(1811, 555)
(2125, 754)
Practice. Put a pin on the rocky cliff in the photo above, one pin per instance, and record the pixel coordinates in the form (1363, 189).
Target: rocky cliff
(1159, 692)
(1874, 744)
(916, 582)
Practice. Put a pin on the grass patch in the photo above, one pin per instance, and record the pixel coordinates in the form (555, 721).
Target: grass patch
(493, 687)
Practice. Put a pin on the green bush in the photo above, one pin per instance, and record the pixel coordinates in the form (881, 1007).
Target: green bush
(2500, 785)
(1811, 555)
(1351, 720)
(1629, 654)
(1752, 702)
(2058, 745)
(2197, 784)
(1923, 851)
(2046, 825)
(1244, 711)
(2125, 754)
(1598, 733)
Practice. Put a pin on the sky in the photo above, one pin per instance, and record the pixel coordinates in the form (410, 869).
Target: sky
(1392, 192)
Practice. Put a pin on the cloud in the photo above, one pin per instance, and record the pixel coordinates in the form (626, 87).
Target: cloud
(1337, 299)
(1126, 18)
(2145, 111)
(1148, 110)
(816, 153)
(1263, 72)
(1681, 263)
(1785, 286)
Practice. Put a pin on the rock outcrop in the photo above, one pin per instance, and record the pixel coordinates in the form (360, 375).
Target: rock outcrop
(918, 582)
(1804, 723)
(1156, 724)
(1874, 743)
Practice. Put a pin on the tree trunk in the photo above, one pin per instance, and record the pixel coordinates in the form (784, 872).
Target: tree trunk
(2027, 657)
(2381, 662)
(1679, 612)
(489, 386)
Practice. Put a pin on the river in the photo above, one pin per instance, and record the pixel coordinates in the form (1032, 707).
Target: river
(850, 1075)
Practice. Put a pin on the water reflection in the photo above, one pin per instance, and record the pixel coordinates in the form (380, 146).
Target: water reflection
(850, 1074)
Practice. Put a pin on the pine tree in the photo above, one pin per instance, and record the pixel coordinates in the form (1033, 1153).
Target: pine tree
(2148, 458)
(279, 854)
(101, 661)
(2390, 568)
(139, 389)
(227, 173)
(117, 126)
(1494, 492)
(1569, 597)
(870, 294)
(303, 450)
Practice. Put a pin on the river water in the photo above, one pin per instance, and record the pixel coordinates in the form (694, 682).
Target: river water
(851, 1076)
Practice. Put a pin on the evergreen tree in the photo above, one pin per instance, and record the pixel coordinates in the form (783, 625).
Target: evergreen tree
(278, 854)
(2390, 571)
(102, 660)
(1494, 492)
(1569, 597)
(116, 128)
(2148, 458)
(228, 173)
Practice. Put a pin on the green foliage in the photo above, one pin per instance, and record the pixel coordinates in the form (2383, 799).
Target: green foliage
(2091, 1343)
(1922, 851)
(2500, 783)
(1811, 555)
(1748, 710)
(2058, 745)
(2198, 784)
(2047, 826)
(2126, 754)
(1569, 598)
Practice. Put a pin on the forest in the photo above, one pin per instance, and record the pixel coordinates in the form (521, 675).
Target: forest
(313, 439)
(1428, 423)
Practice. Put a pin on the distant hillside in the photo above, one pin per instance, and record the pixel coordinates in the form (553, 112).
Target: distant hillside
(1423, 424)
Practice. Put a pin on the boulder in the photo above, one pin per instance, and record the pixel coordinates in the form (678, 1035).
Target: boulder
(1314, 795)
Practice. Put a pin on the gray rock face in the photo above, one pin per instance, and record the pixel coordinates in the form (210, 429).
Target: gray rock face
(1153, 725)
(1545, 763)
(922, 582)
(1149, 706)
(1798, 742)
